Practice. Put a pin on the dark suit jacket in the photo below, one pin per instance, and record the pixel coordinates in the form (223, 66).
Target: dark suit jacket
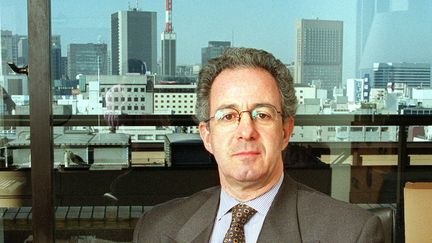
(298, 214)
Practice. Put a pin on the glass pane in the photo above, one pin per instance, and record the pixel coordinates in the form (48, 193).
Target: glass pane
(124, 79)
(15, 186)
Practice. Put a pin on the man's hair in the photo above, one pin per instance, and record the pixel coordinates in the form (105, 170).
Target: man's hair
(235, 58)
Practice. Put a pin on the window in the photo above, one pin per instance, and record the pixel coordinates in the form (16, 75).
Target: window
(363, 89)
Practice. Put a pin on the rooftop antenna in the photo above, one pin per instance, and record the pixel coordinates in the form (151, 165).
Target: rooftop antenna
(232, 38)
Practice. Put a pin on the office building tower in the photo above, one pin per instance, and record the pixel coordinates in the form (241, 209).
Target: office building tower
(87, 59)
(133, 42)
(319, 52)
(56, 57)
(22, 51)
(64, 65)
(55, 62)
(168, 44)
(6, 51)
(410, 74)
(214, 49)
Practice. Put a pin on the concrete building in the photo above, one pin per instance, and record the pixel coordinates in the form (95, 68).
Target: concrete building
(188, 70)
(411, 74)
(423, 96)
(87, 59)
(133, 42)
(125, 94)
(357, 90)
(174, 99)
(318, 52)
(213, 50)
(15, 84)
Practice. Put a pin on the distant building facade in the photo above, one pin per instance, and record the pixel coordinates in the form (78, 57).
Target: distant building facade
(133, 42)
(319, 52)
(168, 48)
(214, 49)
(411, 74)
(175, 99)
(86, 59)
(5, 51)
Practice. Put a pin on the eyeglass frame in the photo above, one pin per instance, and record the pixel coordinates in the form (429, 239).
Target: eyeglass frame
(240, 112)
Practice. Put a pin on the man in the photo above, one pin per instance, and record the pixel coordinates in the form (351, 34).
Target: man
(246, 106)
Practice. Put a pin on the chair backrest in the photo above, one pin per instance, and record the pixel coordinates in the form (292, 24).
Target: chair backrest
(387, 216)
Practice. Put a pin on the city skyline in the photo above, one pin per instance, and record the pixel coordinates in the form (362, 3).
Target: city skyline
(269, 26)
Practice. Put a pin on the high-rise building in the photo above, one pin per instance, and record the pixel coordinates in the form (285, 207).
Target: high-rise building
(214, 49)
(56, 57)
(133, 42)
(6, 51)
(319, 52)
(168, 44)
(22, 51)
(410, 74)
(87, 59)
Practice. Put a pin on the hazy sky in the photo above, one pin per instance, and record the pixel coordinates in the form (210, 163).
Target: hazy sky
(266, 24)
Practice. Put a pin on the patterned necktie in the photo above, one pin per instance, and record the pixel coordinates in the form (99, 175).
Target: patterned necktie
(241, 213)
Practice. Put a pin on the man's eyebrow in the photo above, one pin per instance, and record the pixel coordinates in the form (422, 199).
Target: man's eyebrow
(235, 106)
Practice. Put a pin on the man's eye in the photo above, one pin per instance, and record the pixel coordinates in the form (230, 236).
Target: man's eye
(263, 116)
(229, 117)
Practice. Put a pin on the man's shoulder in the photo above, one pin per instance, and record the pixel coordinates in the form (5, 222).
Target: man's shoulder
(172, 214)
(310, 199)
(321, 214)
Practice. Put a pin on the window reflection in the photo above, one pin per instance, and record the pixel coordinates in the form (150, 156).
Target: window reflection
(122, 62)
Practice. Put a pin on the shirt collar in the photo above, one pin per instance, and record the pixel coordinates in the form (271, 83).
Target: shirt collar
(261, 203)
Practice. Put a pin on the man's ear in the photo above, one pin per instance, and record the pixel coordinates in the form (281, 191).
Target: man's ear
(204, 131)
(288, 127)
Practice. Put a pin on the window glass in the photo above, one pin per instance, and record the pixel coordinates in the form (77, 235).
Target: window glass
(15, 187)
(343, 56)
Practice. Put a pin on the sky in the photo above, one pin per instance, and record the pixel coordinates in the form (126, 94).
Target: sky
(264, 24)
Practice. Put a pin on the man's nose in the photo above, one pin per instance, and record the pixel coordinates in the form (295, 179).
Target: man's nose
(246, 128)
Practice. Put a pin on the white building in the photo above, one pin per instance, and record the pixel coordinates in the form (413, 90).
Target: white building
(355, 90)
(179, 99)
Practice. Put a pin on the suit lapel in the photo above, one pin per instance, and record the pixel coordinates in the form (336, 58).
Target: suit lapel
(281, 224)
(199, 227)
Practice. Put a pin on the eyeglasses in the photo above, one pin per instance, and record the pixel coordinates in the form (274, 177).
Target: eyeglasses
(261, 115)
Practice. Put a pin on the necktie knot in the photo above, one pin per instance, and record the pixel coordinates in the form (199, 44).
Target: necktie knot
(241, 213)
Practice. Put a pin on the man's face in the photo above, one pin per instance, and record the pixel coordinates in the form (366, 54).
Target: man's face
(250, 153)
